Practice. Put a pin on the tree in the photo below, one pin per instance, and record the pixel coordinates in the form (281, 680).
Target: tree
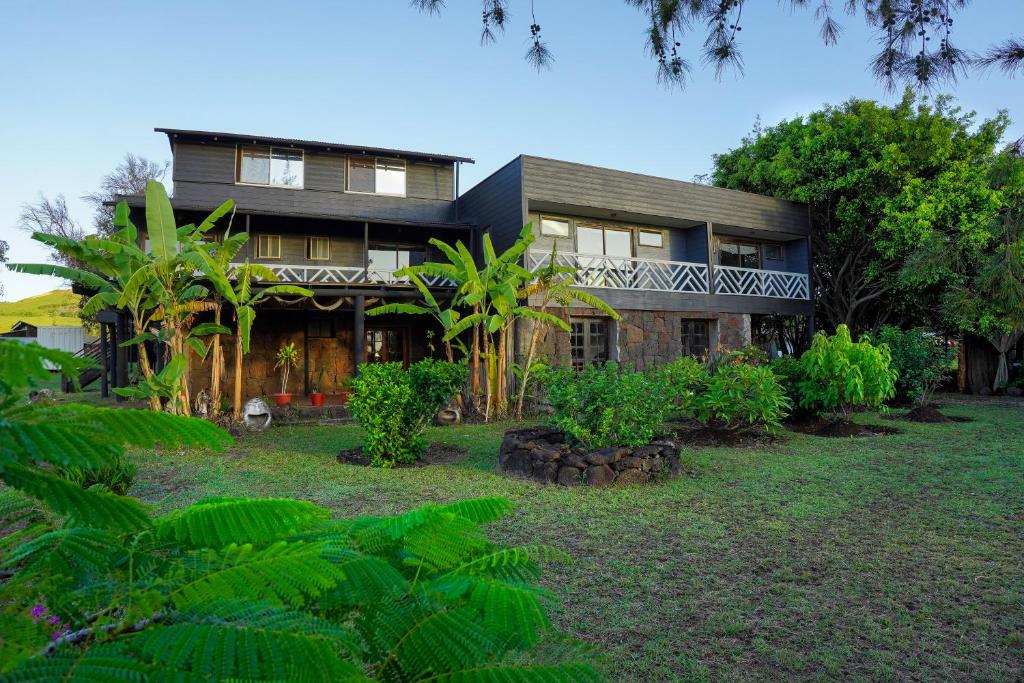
(96, 587)
(128, 178)
(878, 179)
(915, 37)
(51, 217)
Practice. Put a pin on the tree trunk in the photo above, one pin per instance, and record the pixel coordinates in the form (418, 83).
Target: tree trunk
(475, 380)
(237, 411)
(147, 371)
(215, 366)
(501, 385)
(534, 340)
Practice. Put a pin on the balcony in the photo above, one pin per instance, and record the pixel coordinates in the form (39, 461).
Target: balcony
(343, 275)
(754, 282)
(653, 275)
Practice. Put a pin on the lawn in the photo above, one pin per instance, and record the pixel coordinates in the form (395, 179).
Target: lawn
(890, 557)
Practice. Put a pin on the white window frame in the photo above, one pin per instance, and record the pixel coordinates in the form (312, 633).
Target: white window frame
(647, 231)
(568, 226)
(259, 245)
(376, 162)
(238, 167)
(309, 250)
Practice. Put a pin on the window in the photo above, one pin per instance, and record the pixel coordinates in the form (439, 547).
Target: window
(385, 259)
(651, 238)
(554, 227)
(272, 166)
(696, 336)
(596, 239)
(376, 176)
(268, 246)
(318, 248)
(588, 342)
(739, 254)
(773, 252)
(320, 328)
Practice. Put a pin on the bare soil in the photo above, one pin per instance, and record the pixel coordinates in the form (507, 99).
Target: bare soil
(837, 428)
(436, 454)
(694, 435)
(929, 414)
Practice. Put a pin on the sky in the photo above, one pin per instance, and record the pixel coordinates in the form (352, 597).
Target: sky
(82, 84)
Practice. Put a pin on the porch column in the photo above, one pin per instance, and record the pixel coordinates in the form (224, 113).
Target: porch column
(711, 257)
(359, 331)
(120, 353)
(105, 365)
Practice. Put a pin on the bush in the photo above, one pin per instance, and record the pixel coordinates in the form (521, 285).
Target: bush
(394, 406)
(116, 477)
(741, 396)
(840, 374)
(922, 360)
(604, 406)
(683, 379)
(790, 373)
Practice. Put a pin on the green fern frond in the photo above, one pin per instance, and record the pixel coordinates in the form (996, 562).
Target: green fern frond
(367, 579)
(519, 563)
(287, 573)
(445, 542)
(418, 641)
(512, 612)
(549, 673)
(82, 507)
(268, 616)
(21, 365)
(70, 551)
(480, 510)
(21, 520)
(99, 665)
(221, 651)
(215, 523)
(55, 444)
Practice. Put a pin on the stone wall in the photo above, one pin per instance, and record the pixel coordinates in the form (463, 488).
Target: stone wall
(541, 454)
(643, 339)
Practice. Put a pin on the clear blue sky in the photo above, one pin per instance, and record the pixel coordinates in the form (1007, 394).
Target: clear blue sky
(82, 83)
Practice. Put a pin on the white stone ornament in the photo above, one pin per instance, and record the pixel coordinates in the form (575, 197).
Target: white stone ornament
(256, 415)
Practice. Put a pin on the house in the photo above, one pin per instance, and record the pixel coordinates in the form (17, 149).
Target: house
(690, 268)
(687, 265)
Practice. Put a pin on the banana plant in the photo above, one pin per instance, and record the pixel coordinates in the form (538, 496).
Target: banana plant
(236, 288)
(446, 316)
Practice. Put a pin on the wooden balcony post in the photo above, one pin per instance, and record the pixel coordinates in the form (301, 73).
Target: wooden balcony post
(711, 257)
(359, 332)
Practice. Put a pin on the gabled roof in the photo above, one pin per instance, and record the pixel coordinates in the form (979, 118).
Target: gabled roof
(233, 138)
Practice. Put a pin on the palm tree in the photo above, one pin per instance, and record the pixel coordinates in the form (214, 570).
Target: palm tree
(445, 316)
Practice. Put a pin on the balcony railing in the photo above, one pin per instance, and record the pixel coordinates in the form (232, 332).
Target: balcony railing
(617, 272)
(754, 282)
(344, 275)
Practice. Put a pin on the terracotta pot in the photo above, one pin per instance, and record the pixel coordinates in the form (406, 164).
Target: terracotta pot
(316, 398)
(344, 393)
(281, 400)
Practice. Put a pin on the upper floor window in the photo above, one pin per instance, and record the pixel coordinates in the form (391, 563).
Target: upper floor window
(272, 166)
(773, 252)
(268, 246)
(599, 239)
(739, 254)
(554, 227)
(318, 248)
(376, 176)
(651, 238)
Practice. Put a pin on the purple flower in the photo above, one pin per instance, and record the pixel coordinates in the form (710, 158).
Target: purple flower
(54, 619)
(38, 610)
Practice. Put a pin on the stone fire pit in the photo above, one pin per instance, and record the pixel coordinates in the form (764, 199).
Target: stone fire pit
(541, 453)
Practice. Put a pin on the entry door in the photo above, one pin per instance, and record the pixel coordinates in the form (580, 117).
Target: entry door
(387, 345)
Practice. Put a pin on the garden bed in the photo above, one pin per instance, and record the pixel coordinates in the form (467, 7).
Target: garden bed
(836, 428)
(695, 434)
(435, 454)
(542, 454)
(928, 414)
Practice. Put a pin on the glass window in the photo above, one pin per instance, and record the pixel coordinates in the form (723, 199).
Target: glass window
(618, 243)
(360, 175)
(268, 246)
(606, 241)
(773, 252)
(554, 227)
(739, 254)
(651, 238)
(588, 342)
(320, 328)
(589, 240)
(272, 166)
(390, 176)
(318, 248)
(254, 165)
(695, 336)
(384, 259)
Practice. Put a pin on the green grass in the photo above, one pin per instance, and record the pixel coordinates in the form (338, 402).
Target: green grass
(59, 307)
(896, 557)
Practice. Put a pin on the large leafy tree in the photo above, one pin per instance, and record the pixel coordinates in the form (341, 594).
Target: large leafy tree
(878, 180)
(915, 37)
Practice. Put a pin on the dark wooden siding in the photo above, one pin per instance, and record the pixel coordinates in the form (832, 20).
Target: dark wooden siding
(496, 204)
(345, 251)
(205, 174)
(625, 300)
(560, 182)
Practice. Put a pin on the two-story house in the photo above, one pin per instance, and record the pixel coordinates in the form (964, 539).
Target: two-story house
(686, 265)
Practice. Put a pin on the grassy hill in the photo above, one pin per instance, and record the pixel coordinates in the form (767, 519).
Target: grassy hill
(59, 307)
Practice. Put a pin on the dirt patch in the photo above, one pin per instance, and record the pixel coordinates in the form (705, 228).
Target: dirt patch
(929, 414)
(835, 428)
(435, 454)
(706, 437)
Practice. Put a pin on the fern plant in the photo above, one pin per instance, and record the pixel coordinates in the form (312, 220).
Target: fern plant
(100, 588)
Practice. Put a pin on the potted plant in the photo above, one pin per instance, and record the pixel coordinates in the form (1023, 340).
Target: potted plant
(287, 357)
(316, 397)
(344, 387)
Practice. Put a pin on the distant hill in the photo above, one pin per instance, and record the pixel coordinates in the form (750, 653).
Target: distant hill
(59, 307)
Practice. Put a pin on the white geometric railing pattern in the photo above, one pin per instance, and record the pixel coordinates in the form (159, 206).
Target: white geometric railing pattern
(754, 282)
(345, 275)
(617, 272)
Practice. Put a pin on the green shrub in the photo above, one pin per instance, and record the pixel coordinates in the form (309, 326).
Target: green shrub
(922, 360)
(683, 379)
(394, 406)
(741, 396)
(96, 588)
(604, 406)
(840, 374)
(790, 373)
(748, 355)
(116, 477)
